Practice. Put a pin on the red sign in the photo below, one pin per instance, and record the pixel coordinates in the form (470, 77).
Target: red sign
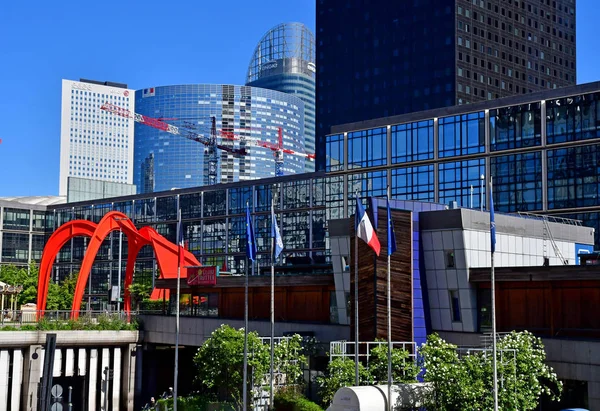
(202, 275)
(126, 93)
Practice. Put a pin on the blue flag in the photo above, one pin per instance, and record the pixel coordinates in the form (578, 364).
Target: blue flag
(275, 234)
(391, 236)
(180, 241)
(250, 243)
(492, 222)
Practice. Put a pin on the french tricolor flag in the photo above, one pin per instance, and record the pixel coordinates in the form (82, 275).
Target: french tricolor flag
(364, 228)
(148, 92)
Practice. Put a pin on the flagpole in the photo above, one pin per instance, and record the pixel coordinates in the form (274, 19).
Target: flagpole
(272, 301)
(175, 377)
(356, 377)
(245, 378)
(250, 256)
(389, 305)
(493, 281)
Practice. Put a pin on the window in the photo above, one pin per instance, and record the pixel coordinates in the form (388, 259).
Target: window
(517, 182)
(573, 118)
(412, 142)
(367, 148)
(460, 135)
(413, 183)
(455, 180)
(573, 177)
(450, 260)
(335, 152)
(455, 305)
(515, 127)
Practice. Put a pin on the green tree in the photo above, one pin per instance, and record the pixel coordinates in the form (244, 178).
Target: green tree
(534, 377)
(141, 288)
(220, 362)
(466, 382)
(404, 368)
(288, 358)
(28, 278)
(341, 373)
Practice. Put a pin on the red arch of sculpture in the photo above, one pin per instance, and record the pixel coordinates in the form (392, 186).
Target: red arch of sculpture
(166, 255)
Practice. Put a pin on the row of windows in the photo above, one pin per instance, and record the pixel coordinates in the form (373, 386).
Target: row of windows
(573, 180)
(567, 119)
(481, 48)
(496, 68)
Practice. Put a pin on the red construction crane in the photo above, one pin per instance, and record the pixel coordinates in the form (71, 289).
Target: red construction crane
(278, 149)
(209, 141)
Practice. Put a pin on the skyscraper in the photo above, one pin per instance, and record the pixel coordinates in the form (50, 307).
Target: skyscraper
(164, 161)
(94, 144)
(378, 58)
(284, 60)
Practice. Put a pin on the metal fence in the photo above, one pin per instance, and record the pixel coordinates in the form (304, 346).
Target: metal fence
(24, 317)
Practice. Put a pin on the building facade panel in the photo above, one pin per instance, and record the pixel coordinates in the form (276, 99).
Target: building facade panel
(284, 60)
(164, 161)
(94, 144)
(539, 162)
(420, 55)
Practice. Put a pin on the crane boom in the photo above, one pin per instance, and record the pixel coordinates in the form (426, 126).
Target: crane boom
(169, 128)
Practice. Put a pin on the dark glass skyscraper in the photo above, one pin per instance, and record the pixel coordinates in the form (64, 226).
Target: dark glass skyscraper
(379, 58)
(284, 60)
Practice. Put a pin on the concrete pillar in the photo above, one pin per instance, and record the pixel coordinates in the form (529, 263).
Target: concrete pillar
(42, 354)
(116, 378)
(17, 380)
(92, 379)
(69, 362)
(4, 365)
(81, 362)
(57, 369)
(139, 359)
(31, 377)
(128, 377)
(104, 378)
(593, 395)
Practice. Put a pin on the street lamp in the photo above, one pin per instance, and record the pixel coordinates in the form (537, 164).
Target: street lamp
(119, 273)
(481, 194)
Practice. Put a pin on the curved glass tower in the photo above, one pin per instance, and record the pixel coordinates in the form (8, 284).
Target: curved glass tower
(284, 60)
(164, 161)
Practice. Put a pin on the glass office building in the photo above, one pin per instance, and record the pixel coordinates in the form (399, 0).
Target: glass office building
(542, 150)
(379, 58)
(284, 60)
(164, 161)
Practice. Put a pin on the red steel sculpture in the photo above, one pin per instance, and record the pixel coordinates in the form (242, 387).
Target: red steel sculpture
(165, 251)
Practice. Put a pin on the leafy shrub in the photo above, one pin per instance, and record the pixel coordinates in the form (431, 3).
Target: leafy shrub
(290, 400)
(341, 373)
(192, 403)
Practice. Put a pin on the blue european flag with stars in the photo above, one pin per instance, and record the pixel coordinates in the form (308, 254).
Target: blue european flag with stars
(492, 222)
(250, 243)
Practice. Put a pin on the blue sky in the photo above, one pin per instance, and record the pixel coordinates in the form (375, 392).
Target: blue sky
(144, 44)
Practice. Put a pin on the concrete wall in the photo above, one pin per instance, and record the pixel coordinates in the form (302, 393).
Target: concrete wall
(194, 331)
(520, 241)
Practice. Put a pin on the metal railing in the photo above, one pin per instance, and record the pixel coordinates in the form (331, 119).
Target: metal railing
(550, 218)
(25, 317)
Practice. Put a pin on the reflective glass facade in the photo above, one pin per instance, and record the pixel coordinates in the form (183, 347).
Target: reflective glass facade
(553, 178)
(381, 58)
(284, 60)
(163, 161)
(542, 150)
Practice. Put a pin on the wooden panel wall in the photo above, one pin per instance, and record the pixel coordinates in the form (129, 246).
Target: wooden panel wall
(300, 303)
(373, 282)
(552, 308)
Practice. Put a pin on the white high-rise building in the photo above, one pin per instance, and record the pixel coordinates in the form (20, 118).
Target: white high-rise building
(95, 144)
